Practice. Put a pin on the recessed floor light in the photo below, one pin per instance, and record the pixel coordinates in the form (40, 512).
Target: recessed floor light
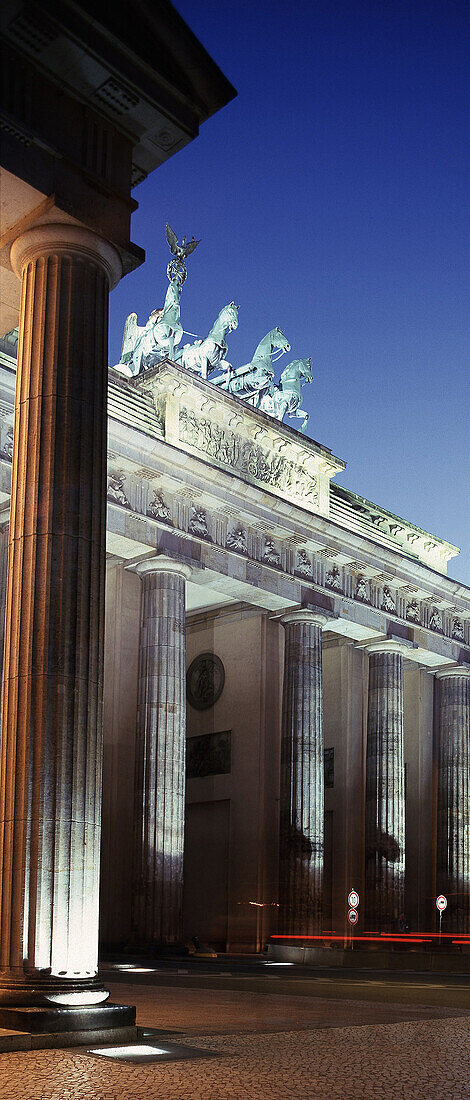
(140, 1050)
(138, 1053)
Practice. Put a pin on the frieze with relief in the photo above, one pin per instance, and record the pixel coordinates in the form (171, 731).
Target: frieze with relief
(248, 458)
(388, 602)
(198, 524)
(236, 540)
(361, 591)
(116, 493)
(303, 566)
(157, 508)
(412, 611)
(435, 619)
(270, 555)
(333, 579)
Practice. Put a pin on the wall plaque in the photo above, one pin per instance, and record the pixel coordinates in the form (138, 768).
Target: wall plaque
(205, 680)
(209, 754)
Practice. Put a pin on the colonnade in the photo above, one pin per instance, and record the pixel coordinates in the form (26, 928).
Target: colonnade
(159, 785)
(301, 809)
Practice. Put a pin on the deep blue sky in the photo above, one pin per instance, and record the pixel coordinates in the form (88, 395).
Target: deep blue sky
(332, 199)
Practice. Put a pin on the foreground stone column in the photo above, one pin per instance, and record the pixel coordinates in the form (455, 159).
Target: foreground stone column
(50, 785)
(4, 541)
(385, 789)
(160, 755)
(302, 784)
(453, 799)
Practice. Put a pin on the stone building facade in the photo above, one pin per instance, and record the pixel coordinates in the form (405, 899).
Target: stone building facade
(320, 739)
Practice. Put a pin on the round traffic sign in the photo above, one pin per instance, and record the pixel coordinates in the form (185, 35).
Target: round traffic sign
(353, 899)
(441, 903)
(353, 916)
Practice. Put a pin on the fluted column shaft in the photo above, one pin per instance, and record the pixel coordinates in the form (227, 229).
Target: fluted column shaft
(302, 783)
(453, 802)
(50, 784)
(160, 756)
(385, 790)
(4, 541)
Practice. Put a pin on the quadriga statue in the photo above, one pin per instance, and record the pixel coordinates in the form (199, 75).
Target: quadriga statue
(205, 356)
(286, 399)
(254, 379)
(142, 346)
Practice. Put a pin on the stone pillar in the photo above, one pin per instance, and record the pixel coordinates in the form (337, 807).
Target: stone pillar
(385, 789)
(4, 540)
(50, 781)
(302, 783)
(453, 799)
(160, 755)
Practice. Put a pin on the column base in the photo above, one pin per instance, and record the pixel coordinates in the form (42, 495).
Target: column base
(58, 1026)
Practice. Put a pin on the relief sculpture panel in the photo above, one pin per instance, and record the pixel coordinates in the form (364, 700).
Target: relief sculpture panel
(246, 457)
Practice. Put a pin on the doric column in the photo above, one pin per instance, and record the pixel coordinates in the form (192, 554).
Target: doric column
(385, 788)
(453, 801)
(160, 755)
(4, 540)
(50, 785)
(302, 784)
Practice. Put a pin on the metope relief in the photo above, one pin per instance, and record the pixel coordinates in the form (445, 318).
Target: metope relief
(116, 493)
(457, 630)
(388, 601)
(270, 554)
(236, 540)
(157, 508)
(435, 619)
(246, 457)
(412, 611)
(303, 565)
(333, 578)
(198, 524)
(361, 591)
(7, 441)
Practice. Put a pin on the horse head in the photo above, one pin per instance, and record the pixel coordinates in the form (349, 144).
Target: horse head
(300, 370)
(228, 316)
(278, 339)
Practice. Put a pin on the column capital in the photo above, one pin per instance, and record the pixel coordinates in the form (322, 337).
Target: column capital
(161, 564)
(388, 645)
(304, 616)
(456, 670)
(65, 239)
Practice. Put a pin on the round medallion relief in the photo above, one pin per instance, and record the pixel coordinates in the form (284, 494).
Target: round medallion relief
(205, 680)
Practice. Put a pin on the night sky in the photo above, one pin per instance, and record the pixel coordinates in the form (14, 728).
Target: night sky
(332, 199)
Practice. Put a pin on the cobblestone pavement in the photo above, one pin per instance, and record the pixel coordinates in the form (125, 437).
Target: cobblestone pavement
(414, 1059)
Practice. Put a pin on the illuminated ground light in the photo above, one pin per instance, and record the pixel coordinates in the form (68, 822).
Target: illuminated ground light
(133, 969)
(269, 963)
(137, 1053)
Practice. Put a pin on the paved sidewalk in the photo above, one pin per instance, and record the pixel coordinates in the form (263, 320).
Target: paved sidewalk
(308, 1053)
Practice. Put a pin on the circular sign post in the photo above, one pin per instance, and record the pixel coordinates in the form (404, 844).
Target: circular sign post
(353, 916)
(441, 905)
(353, 899)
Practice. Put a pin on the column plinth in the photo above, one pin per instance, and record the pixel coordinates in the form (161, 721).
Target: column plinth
(453, 809)
(385, 789)
(50, 779)
(159, 800)
(302, 783)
